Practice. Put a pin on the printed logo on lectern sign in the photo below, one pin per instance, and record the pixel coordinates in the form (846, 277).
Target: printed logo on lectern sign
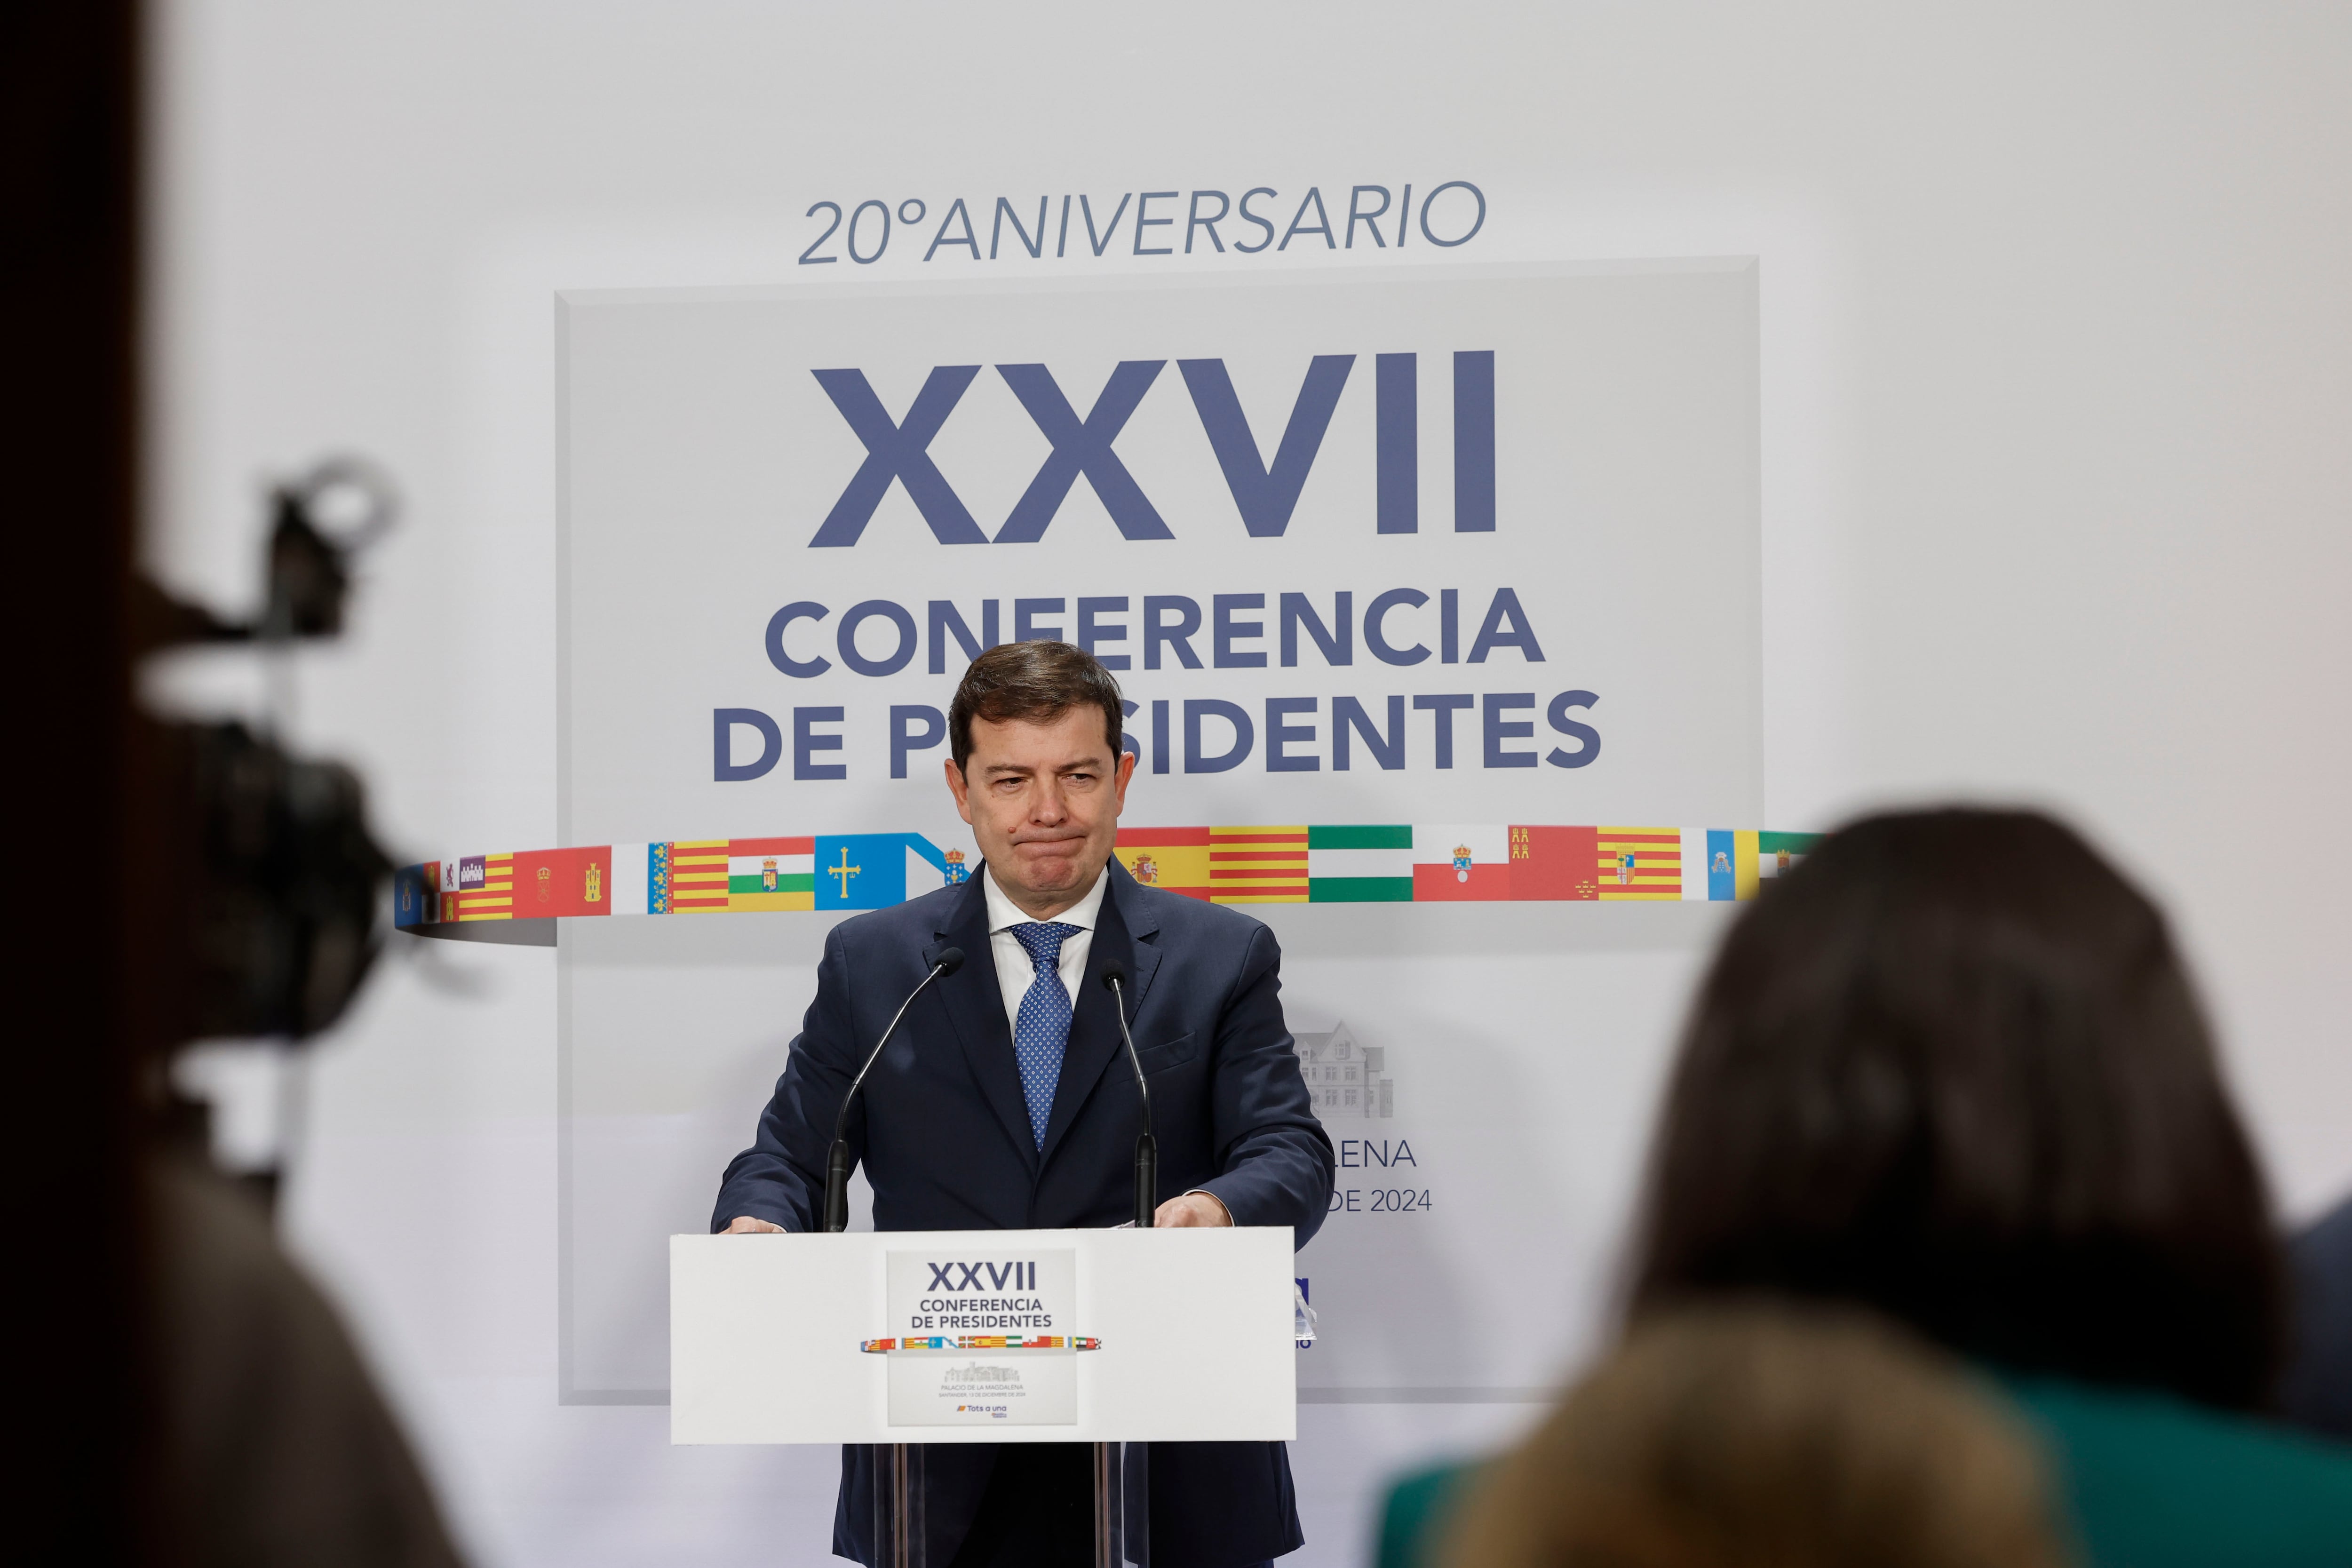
(981, 1339)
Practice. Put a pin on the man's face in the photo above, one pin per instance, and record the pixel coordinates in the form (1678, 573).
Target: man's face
(1043, 803)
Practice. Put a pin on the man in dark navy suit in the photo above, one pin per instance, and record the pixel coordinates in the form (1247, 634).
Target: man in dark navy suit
(1005, 1101)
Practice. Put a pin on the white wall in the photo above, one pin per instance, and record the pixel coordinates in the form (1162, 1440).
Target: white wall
(2057, 370)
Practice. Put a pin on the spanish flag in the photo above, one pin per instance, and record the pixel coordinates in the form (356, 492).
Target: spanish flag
(1173, 859)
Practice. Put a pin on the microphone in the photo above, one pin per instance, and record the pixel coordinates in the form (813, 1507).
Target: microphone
(1147, 1150)
(947, 960)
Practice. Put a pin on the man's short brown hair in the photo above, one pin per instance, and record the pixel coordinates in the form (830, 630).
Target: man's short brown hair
(1036, 683)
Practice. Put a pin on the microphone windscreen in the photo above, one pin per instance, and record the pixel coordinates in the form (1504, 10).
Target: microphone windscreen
(948, 960)
(1114, 976)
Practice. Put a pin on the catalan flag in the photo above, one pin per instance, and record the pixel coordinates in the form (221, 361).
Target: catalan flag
(1364, 865)
(1174, 859)
(1257, 865)
(770, 874)
(1639, 862)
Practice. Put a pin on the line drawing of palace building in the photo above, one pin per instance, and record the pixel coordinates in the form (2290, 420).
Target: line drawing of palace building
(1344, 1076)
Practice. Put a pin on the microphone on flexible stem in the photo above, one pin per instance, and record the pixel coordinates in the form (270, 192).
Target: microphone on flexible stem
(1147, 1151)
(947, 960)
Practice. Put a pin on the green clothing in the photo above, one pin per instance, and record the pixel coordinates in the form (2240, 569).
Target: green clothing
(2149, 1480)
(2153, 1481)
(1414, 1514)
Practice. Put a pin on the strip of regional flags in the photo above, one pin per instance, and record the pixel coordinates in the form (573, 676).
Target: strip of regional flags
(978, 1343)
(1304, 863)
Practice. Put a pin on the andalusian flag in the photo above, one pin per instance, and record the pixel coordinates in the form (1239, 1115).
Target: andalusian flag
(1173, 859)
(1257, 865)
(770, 874)
(1458, 863)
(1359, 865)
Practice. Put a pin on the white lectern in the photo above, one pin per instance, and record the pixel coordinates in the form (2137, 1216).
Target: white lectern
(900, 1339)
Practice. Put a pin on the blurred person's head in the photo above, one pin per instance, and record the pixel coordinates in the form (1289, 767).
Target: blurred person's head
(1952, 1066)
(1754, 1434)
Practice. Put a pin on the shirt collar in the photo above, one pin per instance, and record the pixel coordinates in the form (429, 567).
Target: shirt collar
(1003, 913)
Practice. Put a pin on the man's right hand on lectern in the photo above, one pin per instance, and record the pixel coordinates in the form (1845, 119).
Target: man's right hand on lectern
(744, 1224)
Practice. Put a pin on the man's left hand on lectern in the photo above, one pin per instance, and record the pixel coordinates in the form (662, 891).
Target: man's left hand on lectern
(1192, 1209)
(744, 1224)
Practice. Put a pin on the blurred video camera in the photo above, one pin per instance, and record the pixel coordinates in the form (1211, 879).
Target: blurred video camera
(283, 885)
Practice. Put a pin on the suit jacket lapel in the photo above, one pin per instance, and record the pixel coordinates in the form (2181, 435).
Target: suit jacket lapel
(1134, 908)
(975, 1006)
(1095, 1046)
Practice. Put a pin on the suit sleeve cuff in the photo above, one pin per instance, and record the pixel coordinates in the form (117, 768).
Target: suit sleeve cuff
(1216, 1196)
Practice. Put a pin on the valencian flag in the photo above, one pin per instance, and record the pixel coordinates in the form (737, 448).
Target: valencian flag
(1174, 859)
(1639, 862)
(1552, 864)
(697, 876)
(1257, 865)
(770, 874)
(1363, 865)
(1458, 863)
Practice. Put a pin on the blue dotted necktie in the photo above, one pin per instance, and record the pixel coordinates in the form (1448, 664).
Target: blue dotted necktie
(1041, 1030)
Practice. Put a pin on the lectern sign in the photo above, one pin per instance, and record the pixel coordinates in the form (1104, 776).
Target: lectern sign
(982, 1337)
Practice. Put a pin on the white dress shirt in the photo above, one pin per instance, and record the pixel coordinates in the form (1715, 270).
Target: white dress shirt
(1014, 971)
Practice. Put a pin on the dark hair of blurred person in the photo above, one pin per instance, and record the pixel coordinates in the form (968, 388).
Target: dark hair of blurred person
(1952, 1066)
(1764, 1434)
